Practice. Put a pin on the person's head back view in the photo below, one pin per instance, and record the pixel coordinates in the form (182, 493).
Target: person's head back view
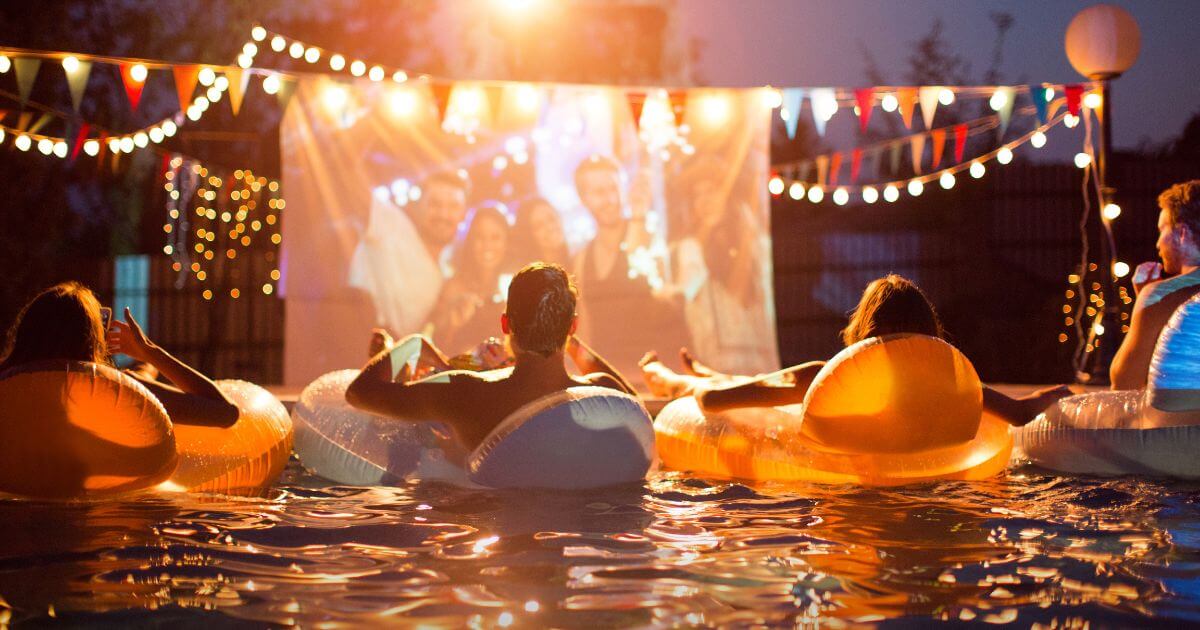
(541, 309)
(1179, 226)
(891, 305)
(62, 322)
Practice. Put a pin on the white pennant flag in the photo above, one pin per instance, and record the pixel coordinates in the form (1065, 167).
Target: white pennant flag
(927, 96)
(793, 100)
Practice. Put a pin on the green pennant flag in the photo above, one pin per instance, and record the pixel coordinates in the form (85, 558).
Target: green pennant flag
(27, 69)
(41, 122)
(77, 82)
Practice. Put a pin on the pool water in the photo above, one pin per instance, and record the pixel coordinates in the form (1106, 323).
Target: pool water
(1029, 548)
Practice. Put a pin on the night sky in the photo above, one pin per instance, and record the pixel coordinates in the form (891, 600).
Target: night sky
(819, 42)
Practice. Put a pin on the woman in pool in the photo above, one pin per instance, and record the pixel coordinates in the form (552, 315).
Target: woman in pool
(537, 234)
(889, 305)
(471, 302)
(64, 323)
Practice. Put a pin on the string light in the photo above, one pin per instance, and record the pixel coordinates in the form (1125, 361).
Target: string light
(977, 169)
(138, 73)
(278, 43)
(1082, 160)
(1038, 139)
(1004, 155)
(869, 194)
(946, 180)
(775, 185)
(312, 55)
(889, 102)
(1120, 269)
(70, 64)
(946, 96)
(1092, 100)
(337, 62)
(258, 33)
(1110, 211)
(841, 196)
(891, 193)
(816, 194)
(796, 191)
(916, 187)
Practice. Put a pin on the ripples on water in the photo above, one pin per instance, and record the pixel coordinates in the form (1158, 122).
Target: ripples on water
(1030, 549)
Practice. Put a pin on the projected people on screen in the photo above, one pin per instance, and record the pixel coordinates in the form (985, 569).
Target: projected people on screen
(468, 310)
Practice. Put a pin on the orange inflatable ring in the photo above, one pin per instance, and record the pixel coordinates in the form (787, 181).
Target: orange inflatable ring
(248, 456)
(79, 430)
(885, 411)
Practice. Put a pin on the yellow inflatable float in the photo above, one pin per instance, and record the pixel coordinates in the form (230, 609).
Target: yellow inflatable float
(885, 411)
(73, 429)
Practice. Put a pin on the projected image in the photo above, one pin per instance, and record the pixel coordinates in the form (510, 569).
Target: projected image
(414, 218)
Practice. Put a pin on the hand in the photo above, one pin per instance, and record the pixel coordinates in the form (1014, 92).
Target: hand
(380, 341)
(492, 354)
(126, 337)
(1146, 273)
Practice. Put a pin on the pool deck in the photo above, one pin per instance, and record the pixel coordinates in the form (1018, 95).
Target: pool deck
(289, 394)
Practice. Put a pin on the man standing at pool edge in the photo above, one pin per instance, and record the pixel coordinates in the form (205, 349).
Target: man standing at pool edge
(1161, 288)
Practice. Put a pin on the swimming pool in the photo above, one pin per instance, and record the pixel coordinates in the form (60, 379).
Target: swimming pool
(1029, 548)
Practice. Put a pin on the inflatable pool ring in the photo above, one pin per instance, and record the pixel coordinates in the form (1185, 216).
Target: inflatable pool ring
(1155, 431)
(78, 430)
(247, 456)
(579, 438)
(885, 411)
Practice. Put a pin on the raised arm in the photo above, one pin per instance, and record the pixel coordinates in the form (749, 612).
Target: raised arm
(391, 385)
(194, 398)
(590, 362)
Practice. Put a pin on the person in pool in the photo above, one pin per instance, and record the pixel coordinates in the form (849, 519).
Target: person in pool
(539, 321)
(65, 323)
(1161, 288)
(889, 305)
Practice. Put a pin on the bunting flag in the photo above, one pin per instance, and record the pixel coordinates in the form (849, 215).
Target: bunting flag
(26, 69)
(287, 88)
(822, 169)
(928, 97)
(918, 151)
(855, 164)
(865, 99)
(960, 142)
(133, 87)
(1005, 111)
(23, 120)
(42, 121)
(637, 101)
(835, 167)
(80, 137)
(1038, 94)
(1052, 108)
(679, 102)
(793, 100)
(938, 137)
(907, 99)
(238, 80)
(441, 98)
(77, 82)
(185, 83)
(824, 106)
(1074, 95)
(894, 158)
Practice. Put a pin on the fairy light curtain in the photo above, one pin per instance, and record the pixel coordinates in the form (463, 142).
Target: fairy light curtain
(667, 232)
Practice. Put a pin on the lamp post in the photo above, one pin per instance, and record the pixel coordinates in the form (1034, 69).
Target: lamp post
(1102, 42)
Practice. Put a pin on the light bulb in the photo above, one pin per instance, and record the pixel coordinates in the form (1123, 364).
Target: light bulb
(270, 84)
(775, 186)
(998, 100)
(250, 49)
(841, 196)
(773, 98)
(45, 145)
(296, 50)
(5, 63)
(169, 128)
(977, 169)
(1071, 121)
(1120, 269)
(258, 33)
(870, 195)
(1092, 100)
(1038, 139)
(1082, 160)
(891, 193)
(947, 180)
(916, 187)
(207, 76)
(946, 96)
(399, 76)
(60, 148)
(244, 61)
(889, 103)
(23, 142)
(358, 68)
(278, 43)
(376, 73)
(312, 55)
(337, 62)
(156, 135)
(91, 147)
(127, 144)
(141, 139)
(1004, 155)
(816, 194)
(1111, 211)
(138, 72)
(70, 64)
(796, 191)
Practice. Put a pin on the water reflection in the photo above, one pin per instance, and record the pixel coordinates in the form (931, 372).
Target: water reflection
(1029, 548)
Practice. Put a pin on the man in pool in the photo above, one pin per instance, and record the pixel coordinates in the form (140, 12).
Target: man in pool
(1161, 288)
(540, 322)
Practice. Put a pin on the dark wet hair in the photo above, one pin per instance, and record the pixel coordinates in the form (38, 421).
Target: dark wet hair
(541, 308)
(62, 322)
(1182, 203)
(891, 305)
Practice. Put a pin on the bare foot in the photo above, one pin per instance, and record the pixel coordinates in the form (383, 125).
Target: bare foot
(693, 366)
(380, 341)
(662, 380)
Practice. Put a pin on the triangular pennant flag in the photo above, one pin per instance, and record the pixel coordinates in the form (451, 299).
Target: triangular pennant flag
(637, 100)
(855, 164)
(679, 101)
(23, 120)
(80, 137)
(865, 99)
(1038, 94)
(77, 82)
(960, 141)
(238, 79)
(894, 158)
(918, 151)
(133, 87)
(1053, 107)
(287, 87)
(907, 98)
(1006, 108)
(495, 96)
(27, 69)
(822, 169)
(185, 83)
(938, 138)
(824, 106)
(793, 101)
(835, 166)
(928, 97)
(42, 121)
(442, 99)
(1074, 94)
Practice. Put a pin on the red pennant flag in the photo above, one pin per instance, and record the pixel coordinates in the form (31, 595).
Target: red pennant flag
(165, 165)
(679, 101)
(636, 102)
(441, 98)
(79, 138)
(835, 165)
(185, 83)
(960, 142)
(133, 87)
(938, 136)
(865, 99)
(907, 97)
(855, 164)
(1074, 94)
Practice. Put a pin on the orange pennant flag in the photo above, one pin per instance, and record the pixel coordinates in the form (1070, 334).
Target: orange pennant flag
(938, 136)
(185, 83)
(237, 87)
(918, 151)
(907, 98)
(835, 165)
(133, 87)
